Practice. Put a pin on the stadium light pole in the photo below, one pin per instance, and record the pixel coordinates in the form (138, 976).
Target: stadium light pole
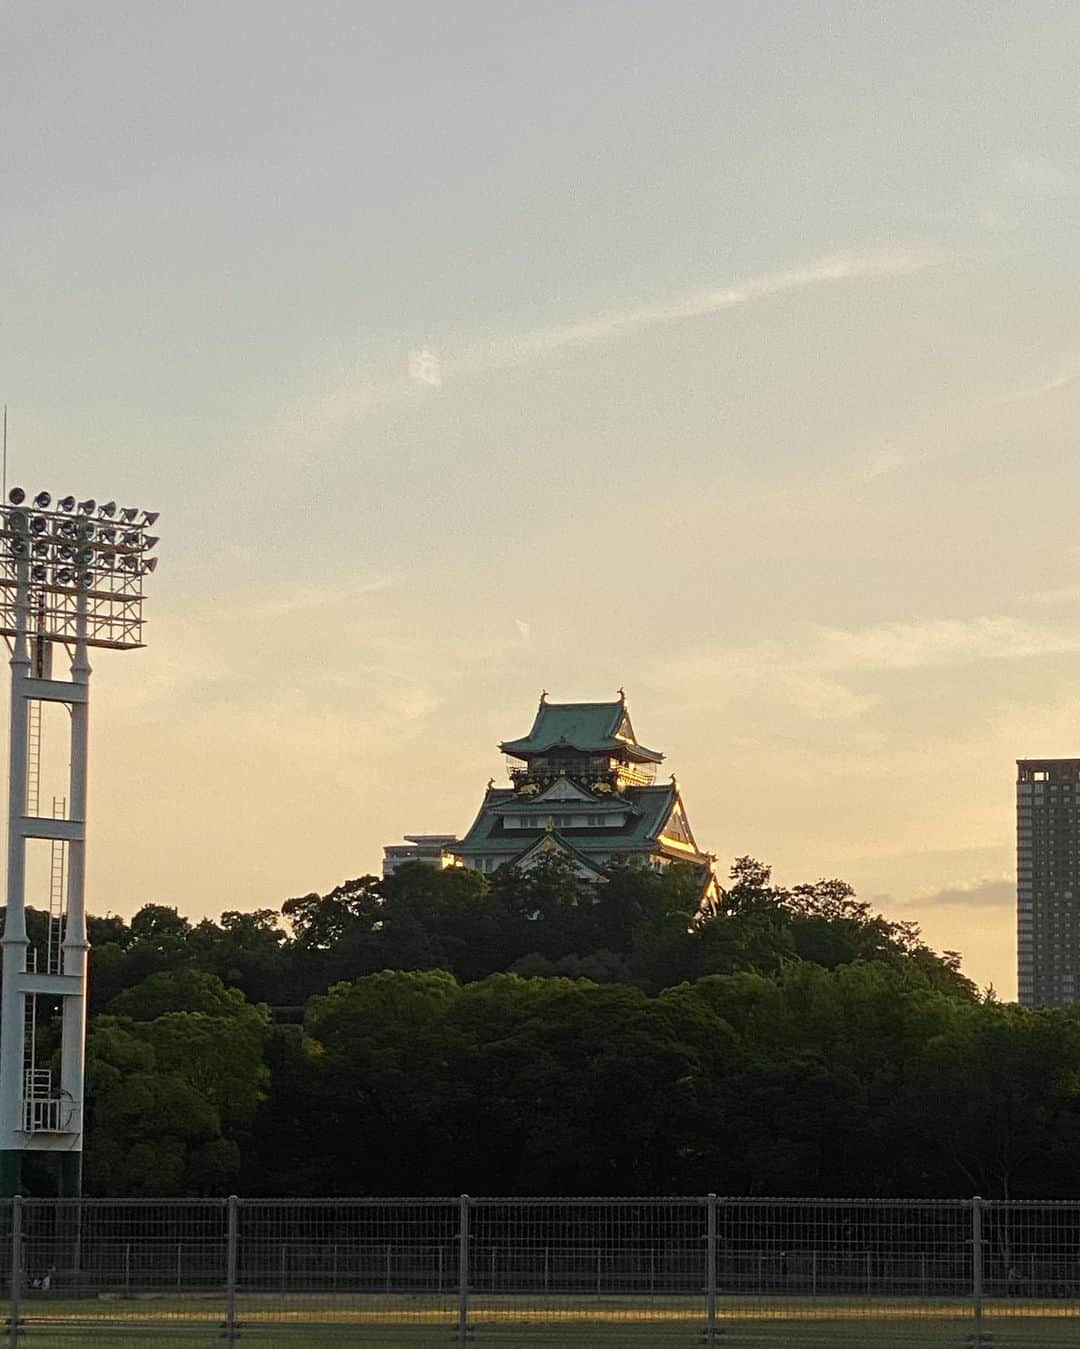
(70, 576)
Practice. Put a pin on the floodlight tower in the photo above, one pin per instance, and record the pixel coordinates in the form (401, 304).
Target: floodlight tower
(71, 575)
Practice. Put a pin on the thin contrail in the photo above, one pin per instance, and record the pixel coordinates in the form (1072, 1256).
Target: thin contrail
(501, 353)
(359, 393)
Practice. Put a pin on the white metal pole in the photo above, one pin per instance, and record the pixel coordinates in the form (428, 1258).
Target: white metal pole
(75, 946)
(14, 941)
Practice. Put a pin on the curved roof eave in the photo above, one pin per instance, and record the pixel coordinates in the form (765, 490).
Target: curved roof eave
(523, 749)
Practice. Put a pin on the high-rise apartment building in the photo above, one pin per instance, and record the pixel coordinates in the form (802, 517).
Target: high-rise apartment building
(1048, 881)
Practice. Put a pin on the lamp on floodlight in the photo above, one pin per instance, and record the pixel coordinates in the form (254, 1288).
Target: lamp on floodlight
(40, 548)
(43, 501)
(151, 564)
(150, 517)
(16, 496)
(38, 572)
(108, 510)
(150, 539)
(66, 504)
(64, 576)
(38, 524)
(128, 514)
(87, 506)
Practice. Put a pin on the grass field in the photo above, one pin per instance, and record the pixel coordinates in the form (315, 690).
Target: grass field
(291, 1321)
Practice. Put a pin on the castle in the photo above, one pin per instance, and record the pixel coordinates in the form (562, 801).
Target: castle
(584, 788)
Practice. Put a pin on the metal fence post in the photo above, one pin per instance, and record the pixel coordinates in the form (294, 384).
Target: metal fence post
(16, 1270)
(463, 1270)
(710, 1272)
(977, 1269)
(232, 1205)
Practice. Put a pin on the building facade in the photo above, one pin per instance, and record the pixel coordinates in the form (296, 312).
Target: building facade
(433, 849)
(583, 787)
(1048, 881)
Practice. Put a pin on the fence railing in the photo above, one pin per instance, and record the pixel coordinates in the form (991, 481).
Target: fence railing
(694, 1270)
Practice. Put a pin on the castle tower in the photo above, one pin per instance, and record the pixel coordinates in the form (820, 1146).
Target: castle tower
(583, 787)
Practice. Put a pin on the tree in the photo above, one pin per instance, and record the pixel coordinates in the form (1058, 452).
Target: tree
(535, 1031)
(245, 950)
(992, 1103)
(321, 922)
(385, 1071)
(174, 1079)
(149, 1132)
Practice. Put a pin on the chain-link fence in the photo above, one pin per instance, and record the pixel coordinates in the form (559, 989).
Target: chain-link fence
(710, 1270)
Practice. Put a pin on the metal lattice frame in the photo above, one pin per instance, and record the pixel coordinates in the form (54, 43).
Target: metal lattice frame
(84, 560)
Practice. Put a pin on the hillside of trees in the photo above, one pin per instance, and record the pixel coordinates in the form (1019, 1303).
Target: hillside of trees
(439, 1032)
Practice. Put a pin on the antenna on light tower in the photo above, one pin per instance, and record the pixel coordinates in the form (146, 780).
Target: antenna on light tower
(69, 576)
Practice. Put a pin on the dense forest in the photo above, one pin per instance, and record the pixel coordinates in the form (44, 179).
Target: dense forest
(438, 1032)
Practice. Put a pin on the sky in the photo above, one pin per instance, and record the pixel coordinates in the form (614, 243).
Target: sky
(726, 352)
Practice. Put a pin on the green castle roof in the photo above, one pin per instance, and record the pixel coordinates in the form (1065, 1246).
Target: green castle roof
(647, 811)
(590, 728)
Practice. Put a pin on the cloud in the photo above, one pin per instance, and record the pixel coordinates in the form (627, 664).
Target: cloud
(935, 642)
(347, 395)
(425, 367)
(825, 687)
(292, 654)
(770, 698)
(1040, 176)
(1053, 598)
(884, 462)
(1064, 371)
(995, 893)
(293, 597)
(808, 660)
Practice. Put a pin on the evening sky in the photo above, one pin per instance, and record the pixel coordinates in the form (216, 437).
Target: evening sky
(728, 352)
